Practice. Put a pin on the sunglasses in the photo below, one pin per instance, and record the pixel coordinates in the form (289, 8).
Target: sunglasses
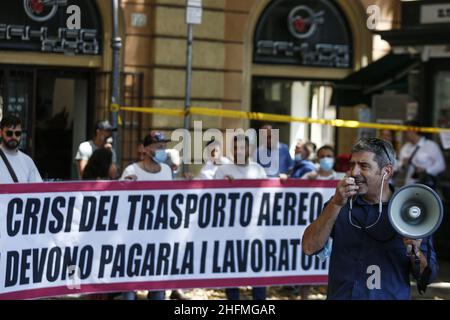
(10, 133)
(380, 144)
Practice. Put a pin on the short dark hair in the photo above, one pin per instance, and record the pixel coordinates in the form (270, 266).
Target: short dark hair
(10, 120)
(382, 149)
(98, 165)
(414, 123)
(326, 147)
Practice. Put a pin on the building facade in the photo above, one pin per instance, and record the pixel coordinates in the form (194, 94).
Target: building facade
(55, 77)
(253, 56)
(277, 56)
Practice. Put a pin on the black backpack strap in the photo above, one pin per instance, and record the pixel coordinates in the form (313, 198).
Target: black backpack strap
(412, 155)
(8, 165)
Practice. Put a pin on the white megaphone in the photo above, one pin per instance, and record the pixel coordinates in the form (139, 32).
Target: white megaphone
(415, 211)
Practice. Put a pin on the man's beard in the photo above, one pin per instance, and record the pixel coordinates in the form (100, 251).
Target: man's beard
(11, 144)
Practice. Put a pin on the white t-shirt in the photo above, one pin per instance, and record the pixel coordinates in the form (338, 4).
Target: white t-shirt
(23, 166)
(209, 169)
(250, 171)
(87, 148)
(429, 156)
(135, 170)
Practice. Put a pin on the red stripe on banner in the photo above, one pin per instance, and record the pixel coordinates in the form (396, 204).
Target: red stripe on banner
(87, 186)
(161, 285)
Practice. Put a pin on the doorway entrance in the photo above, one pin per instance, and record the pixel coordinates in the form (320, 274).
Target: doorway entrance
(298, 98)
(56, 107)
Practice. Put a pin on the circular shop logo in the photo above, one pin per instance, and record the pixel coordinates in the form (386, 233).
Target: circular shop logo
(42, 10)
(303, 21)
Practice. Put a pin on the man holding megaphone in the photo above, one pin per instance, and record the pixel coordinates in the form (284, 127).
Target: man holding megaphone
(370, 257)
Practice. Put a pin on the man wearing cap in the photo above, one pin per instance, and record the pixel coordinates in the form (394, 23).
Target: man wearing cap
(103, 132)
(242, 168)
(152, 168)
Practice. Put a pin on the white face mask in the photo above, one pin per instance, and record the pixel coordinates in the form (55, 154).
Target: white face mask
(326, 164)
(160, 156)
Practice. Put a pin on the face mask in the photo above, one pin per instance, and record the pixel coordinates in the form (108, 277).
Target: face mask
(298, 157)
(160, 156)
(326, 164)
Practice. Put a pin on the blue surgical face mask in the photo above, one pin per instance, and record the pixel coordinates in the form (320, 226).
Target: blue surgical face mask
(326, 164)
(298, 157)
(160, 156)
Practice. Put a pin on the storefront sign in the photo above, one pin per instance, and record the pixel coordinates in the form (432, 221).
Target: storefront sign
(194, 11)
(303, 22)
(138, 20)
(438, 13)
(313, 33)
(58, 26)
(42, 11)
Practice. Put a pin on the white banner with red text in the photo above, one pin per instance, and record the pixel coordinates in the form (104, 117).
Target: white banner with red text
(86, 237)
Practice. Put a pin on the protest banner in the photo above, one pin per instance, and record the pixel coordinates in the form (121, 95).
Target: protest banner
(85, 237)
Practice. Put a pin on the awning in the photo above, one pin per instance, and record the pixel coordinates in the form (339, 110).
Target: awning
(359, 86)
(428, 35)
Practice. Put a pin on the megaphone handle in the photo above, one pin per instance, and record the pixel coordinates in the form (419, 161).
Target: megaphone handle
(409, 248)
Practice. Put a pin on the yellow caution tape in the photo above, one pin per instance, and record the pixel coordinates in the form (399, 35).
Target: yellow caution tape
(166, 112)
(114, 107)
(224, 113)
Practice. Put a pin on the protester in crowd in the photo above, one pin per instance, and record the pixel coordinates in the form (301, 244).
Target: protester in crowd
(15, 166)
(214, 160)
(100, 166)
(326, 158)
(304, 152)
(356, 218)
(420, 159)
(102, 139)
(242, 168)
(152, 168)
(272, 155)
